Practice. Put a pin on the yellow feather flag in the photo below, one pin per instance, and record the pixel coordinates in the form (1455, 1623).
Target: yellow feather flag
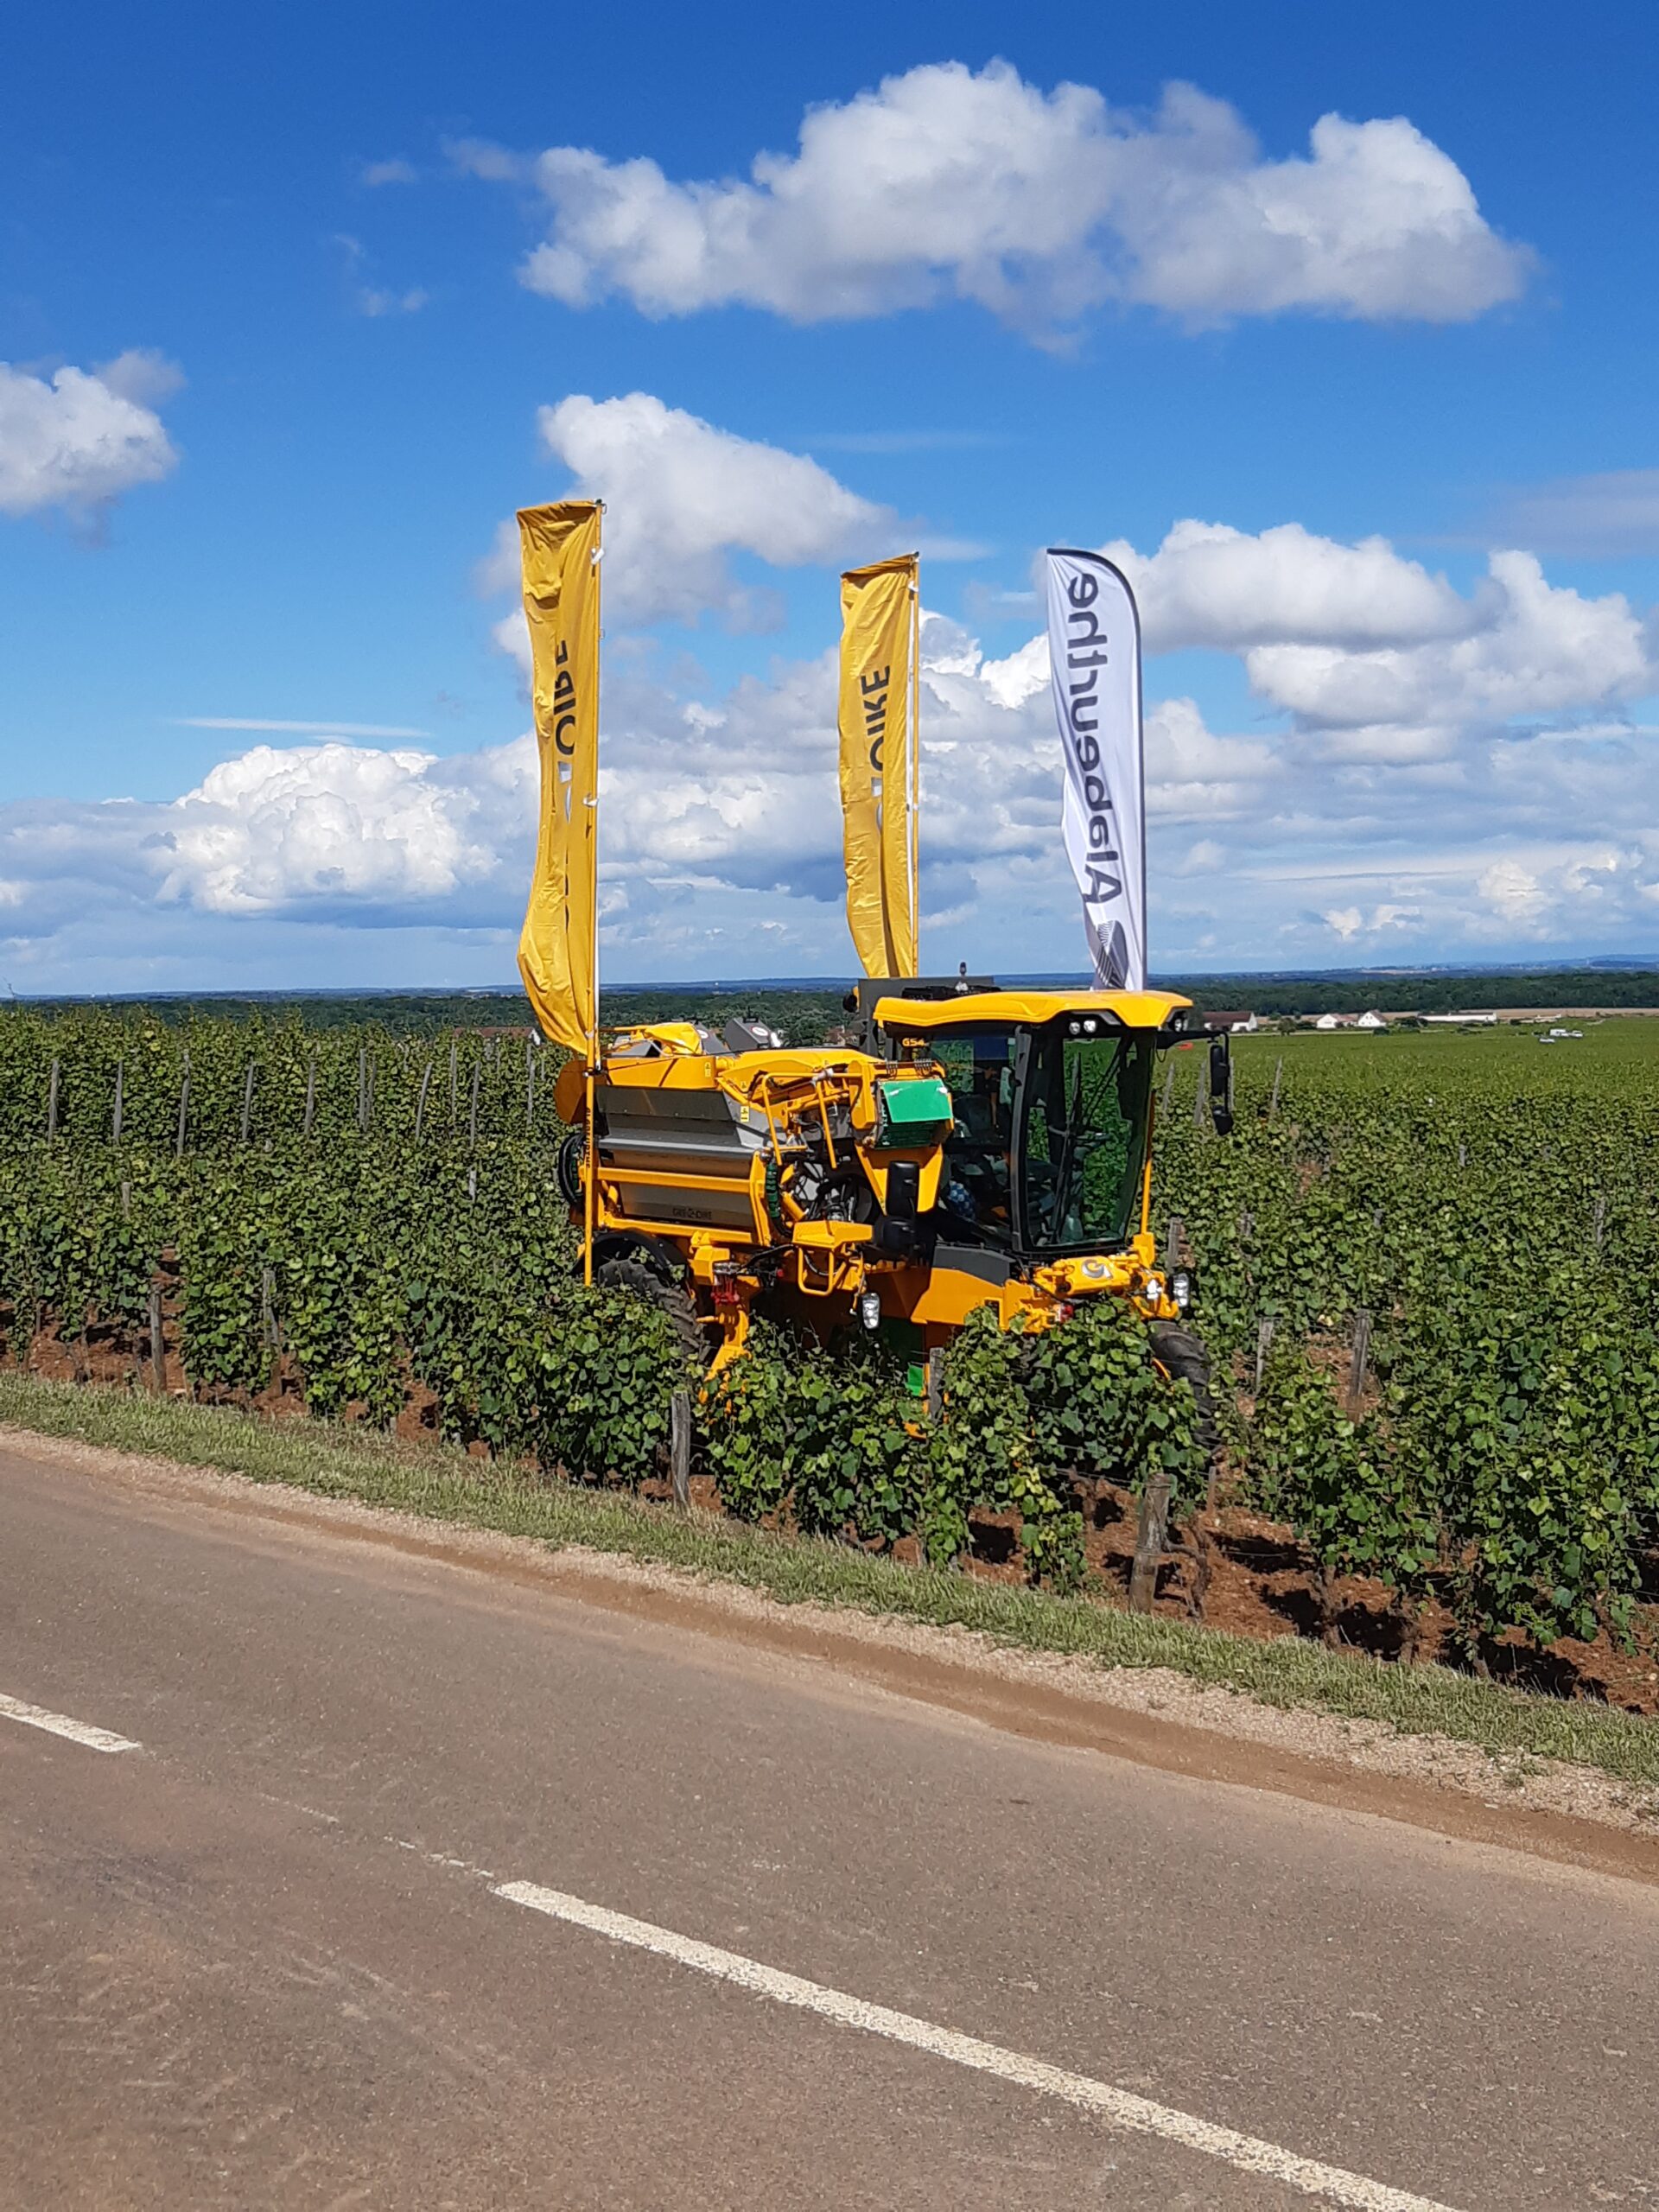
(557, 950)
(878, 761)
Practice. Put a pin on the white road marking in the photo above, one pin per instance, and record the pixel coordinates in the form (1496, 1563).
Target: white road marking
(449, 1864)
(59, 1724)
(1119, 2107)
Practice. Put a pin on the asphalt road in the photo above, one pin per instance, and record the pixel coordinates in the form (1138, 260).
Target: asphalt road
(264, 1957)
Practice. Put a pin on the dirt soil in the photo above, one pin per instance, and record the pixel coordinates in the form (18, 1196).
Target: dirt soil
(1257, 1580)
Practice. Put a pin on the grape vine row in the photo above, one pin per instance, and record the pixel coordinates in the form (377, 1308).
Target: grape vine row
(1488, 1211)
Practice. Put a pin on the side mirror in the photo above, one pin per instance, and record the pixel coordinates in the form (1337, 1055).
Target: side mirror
(1221, 1085)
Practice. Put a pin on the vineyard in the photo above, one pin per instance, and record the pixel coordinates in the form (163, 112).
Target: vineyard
(1426, 1267)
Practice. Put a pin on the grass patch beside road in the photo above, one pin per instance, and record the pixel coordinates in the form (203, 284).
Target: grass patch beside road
(444, 1484)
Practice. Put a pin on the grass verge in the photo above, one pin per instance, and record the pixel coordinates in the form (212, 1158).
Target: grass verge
(444, 1484)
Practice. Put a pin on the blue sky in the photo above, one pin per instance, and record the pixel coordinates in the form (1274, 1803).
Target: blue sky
(310, 248)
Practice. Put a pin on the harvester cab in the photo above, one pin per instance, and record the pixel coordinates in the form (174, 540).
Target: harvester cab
(1046, 1181)
(968, 1147)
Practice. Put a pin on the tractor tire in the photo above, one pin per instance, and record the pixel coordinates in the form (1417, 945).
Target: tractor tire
(1184, 1359)
(568, 1169)
(629, 1271)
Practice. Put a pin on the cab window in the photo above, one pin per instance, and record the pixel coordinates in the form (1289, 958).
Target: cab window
(975, 1193)
(1083, 1140)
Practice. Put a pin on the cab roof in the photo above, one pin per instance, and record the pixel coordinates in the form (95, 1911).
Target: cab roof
(925, 1017)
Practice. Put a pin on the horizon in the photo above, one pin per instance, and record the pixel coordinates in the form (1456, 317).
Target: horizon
(1068, 978)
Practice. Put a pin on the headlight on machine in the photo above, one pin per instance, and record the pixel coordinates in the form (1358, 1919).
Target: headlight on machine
(1181, 1288)
(1152, 1289)
(870, 1309)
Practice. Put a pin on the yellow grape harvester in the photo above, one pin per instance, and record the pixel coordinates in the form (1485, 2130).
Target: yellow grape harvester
(968, 1146)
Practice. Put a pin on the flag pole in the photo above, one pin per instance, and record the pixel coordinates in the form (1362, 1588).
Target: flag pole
(913, 797)
(586, 1186)
(590, 1180)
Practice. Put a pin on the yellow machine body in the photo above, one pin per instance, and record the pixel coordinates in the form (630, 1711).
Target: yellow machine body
(943, 1163)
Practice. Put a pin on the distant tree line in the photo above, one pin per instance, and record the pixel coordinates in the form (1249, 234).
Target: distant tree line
(1450, 993)
(808, 1014)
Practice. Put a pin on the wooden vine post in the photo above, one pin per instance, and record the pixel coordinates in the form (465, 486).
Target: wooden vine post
(1151, 1536)
(270, 1332)
(1263, 1346)
(1360, 1356)
(679, 1447)
(184, 1104)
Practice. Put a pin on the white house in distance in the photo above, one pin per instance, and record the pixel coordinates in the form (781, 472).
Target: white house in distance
(1372, 1021)
(1350, 1021)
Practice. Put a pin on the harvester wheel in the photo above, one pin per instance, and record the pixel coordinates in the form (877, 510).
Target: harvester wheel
(627, 1271)
(1184, 1359)
(567, 1168)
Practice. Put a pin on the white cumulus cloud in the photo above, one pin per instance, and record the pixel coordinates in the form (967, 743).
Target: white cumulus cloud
(681, 496)
(81, 437)
(1531, 648)
(1192, 774)
(339, 823)
(1210, 585)
(1372, 655)
(946, 182)
(1512, 890)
